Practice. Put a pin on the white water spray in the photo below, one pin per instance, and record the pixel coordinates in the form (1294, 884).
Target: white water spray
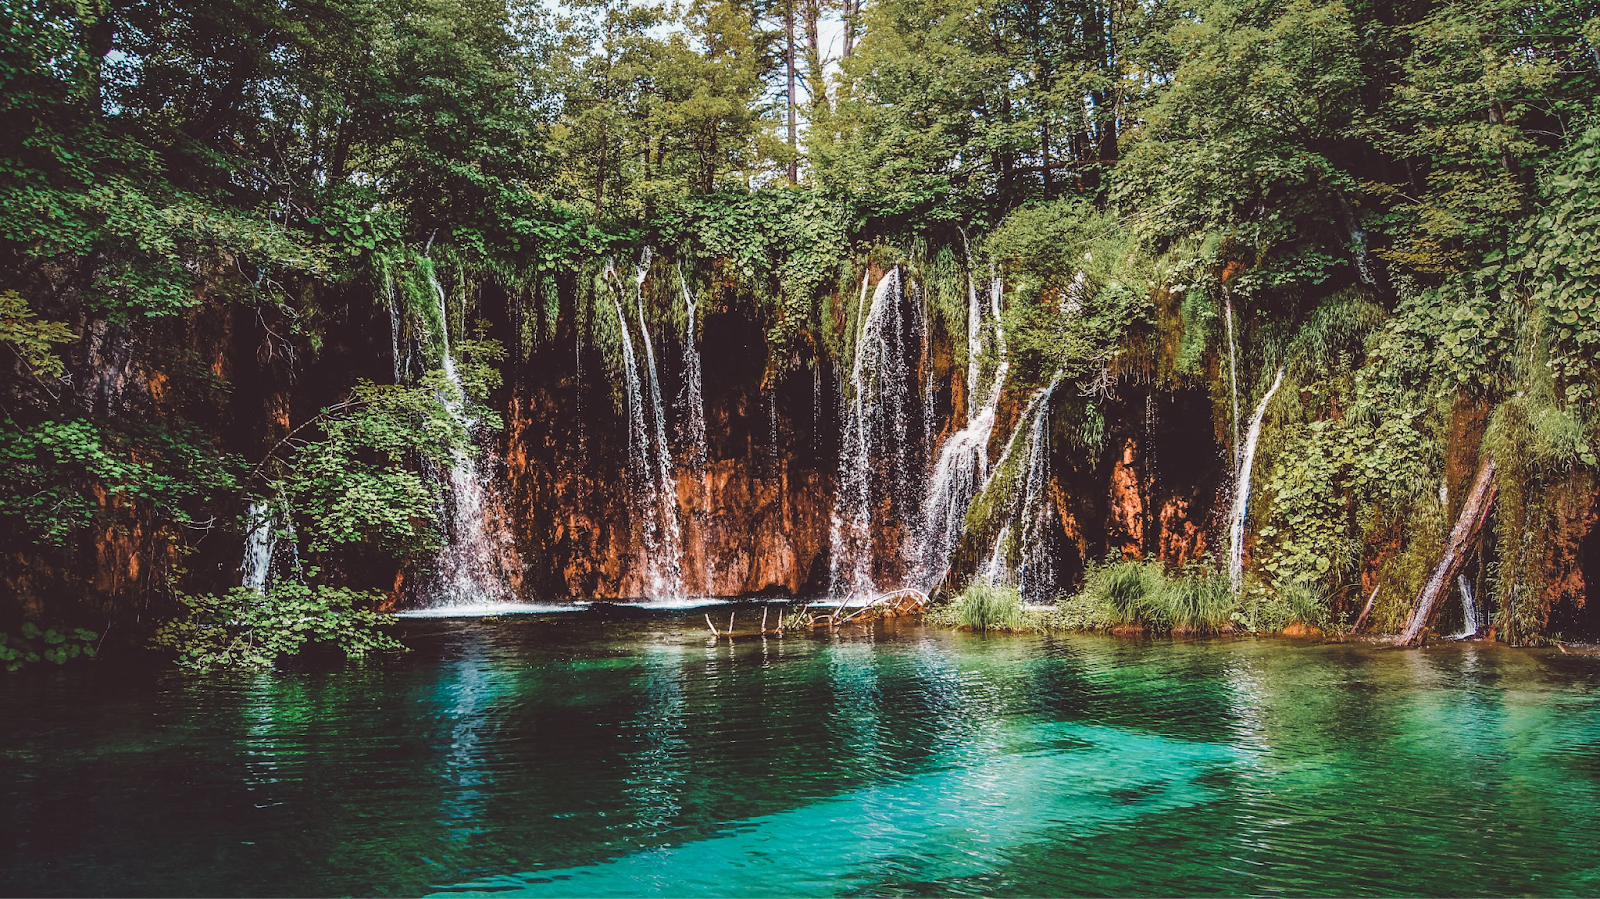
(996, 573)
(652, 495)
(1241, 489)
(666, 566)
(963, 461)
(260, 538)
(1023, 505)
(478, 562)
(1036, 576)
(694, 421)
(1469, 609)
(879, 465)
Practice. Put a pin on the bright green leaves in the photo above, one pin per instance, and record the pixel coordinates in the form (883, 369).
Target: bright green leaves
(358, 481)
(1482, 88)
(246, 629)
(1556, 259)
(33, 341)
(63, 474)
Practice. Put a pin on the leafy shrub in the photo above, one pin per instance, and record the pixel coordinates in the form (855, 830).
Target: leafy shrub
(247, 629)
(1140, 593)
(53, 644)
(1288, 602)
(1197, 601)
(1116, 593)
(985, 608)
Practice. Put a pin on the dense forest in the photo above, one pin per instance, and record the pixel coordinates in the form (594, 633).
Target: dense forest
(298, 276)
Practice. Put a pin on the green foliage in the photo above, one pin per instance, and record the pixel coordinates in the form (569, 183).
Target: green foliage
(55, 645)
(1116, 593)
(246, 629)
(1286, 603)
(787, 244)
(60, 475)
(33, 341)
(350, 484)
(1196, 600)
(1082, 292)
(984, 608)
(1135, 593)
(1557, 261)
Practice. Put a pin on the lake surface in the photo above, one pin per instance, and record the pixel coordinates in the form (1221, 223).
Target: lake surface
(618, 752)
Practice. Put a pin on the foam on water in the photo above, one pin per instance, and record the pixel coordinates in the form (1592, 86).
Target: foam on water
(491, 609)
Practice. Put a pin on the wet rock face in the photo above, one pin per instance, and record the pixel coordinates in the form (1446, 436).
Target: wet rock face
(1153, 490)
(754, 518)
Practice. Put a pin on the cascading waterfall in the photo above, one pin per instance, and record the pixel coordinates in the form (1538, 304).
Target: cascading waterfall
(666, 566)
(1469, 609)
(1036, 576)
(1020, 507)
(995, 572)
(963, 461)
(652, 494)
(260, 538)
(394, 326)
(1241, 490)
(878, 449)
(478, 562)
(694, 420)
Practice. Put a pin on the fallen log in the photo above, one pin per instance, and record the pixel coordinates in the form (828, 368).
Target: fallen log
(1362, 618)
(1469, 526)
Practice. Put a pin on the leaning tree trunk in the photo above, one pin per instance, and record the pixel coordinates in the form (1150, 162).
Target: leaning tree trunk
(1462, 537)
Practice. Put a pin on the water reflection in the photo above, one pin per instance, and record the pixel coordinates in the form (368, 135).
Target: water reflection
(619, 751)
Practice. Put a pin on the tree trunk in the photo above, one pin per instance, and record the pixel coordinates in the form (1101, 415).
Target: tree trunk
(851, 8)
(816, 79)
(788, 59)
(1462, 537)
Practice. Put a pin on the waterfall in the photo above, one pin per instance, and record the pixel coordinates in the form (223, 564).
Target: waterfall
(1036, 577)
(1241, 490)
(652, 493)
(260, 538)
(666, 566)
(478, 562)
(1469, 609)
(879, 459)
(1233, 369)
(996, 573)
(963, 461)
(1025, 506)
(693, 396)
(394, 326)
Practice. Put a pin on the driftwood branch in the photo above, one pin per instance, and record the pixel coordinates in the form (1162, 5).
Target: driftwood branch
(1367, 610)
(349, 403)
(1469, 525)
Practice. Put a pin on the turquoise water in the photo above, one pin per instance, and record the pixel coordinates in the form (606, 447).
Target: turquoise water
(617, 752)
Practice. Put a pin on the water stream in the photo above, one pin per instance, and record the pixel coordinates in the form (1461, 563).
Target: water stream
(881, 466)
(260, 537)
(1241, 489)
(694, 407)
(665, 569)
(650, 471)
(478, 561)
(963, 461)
